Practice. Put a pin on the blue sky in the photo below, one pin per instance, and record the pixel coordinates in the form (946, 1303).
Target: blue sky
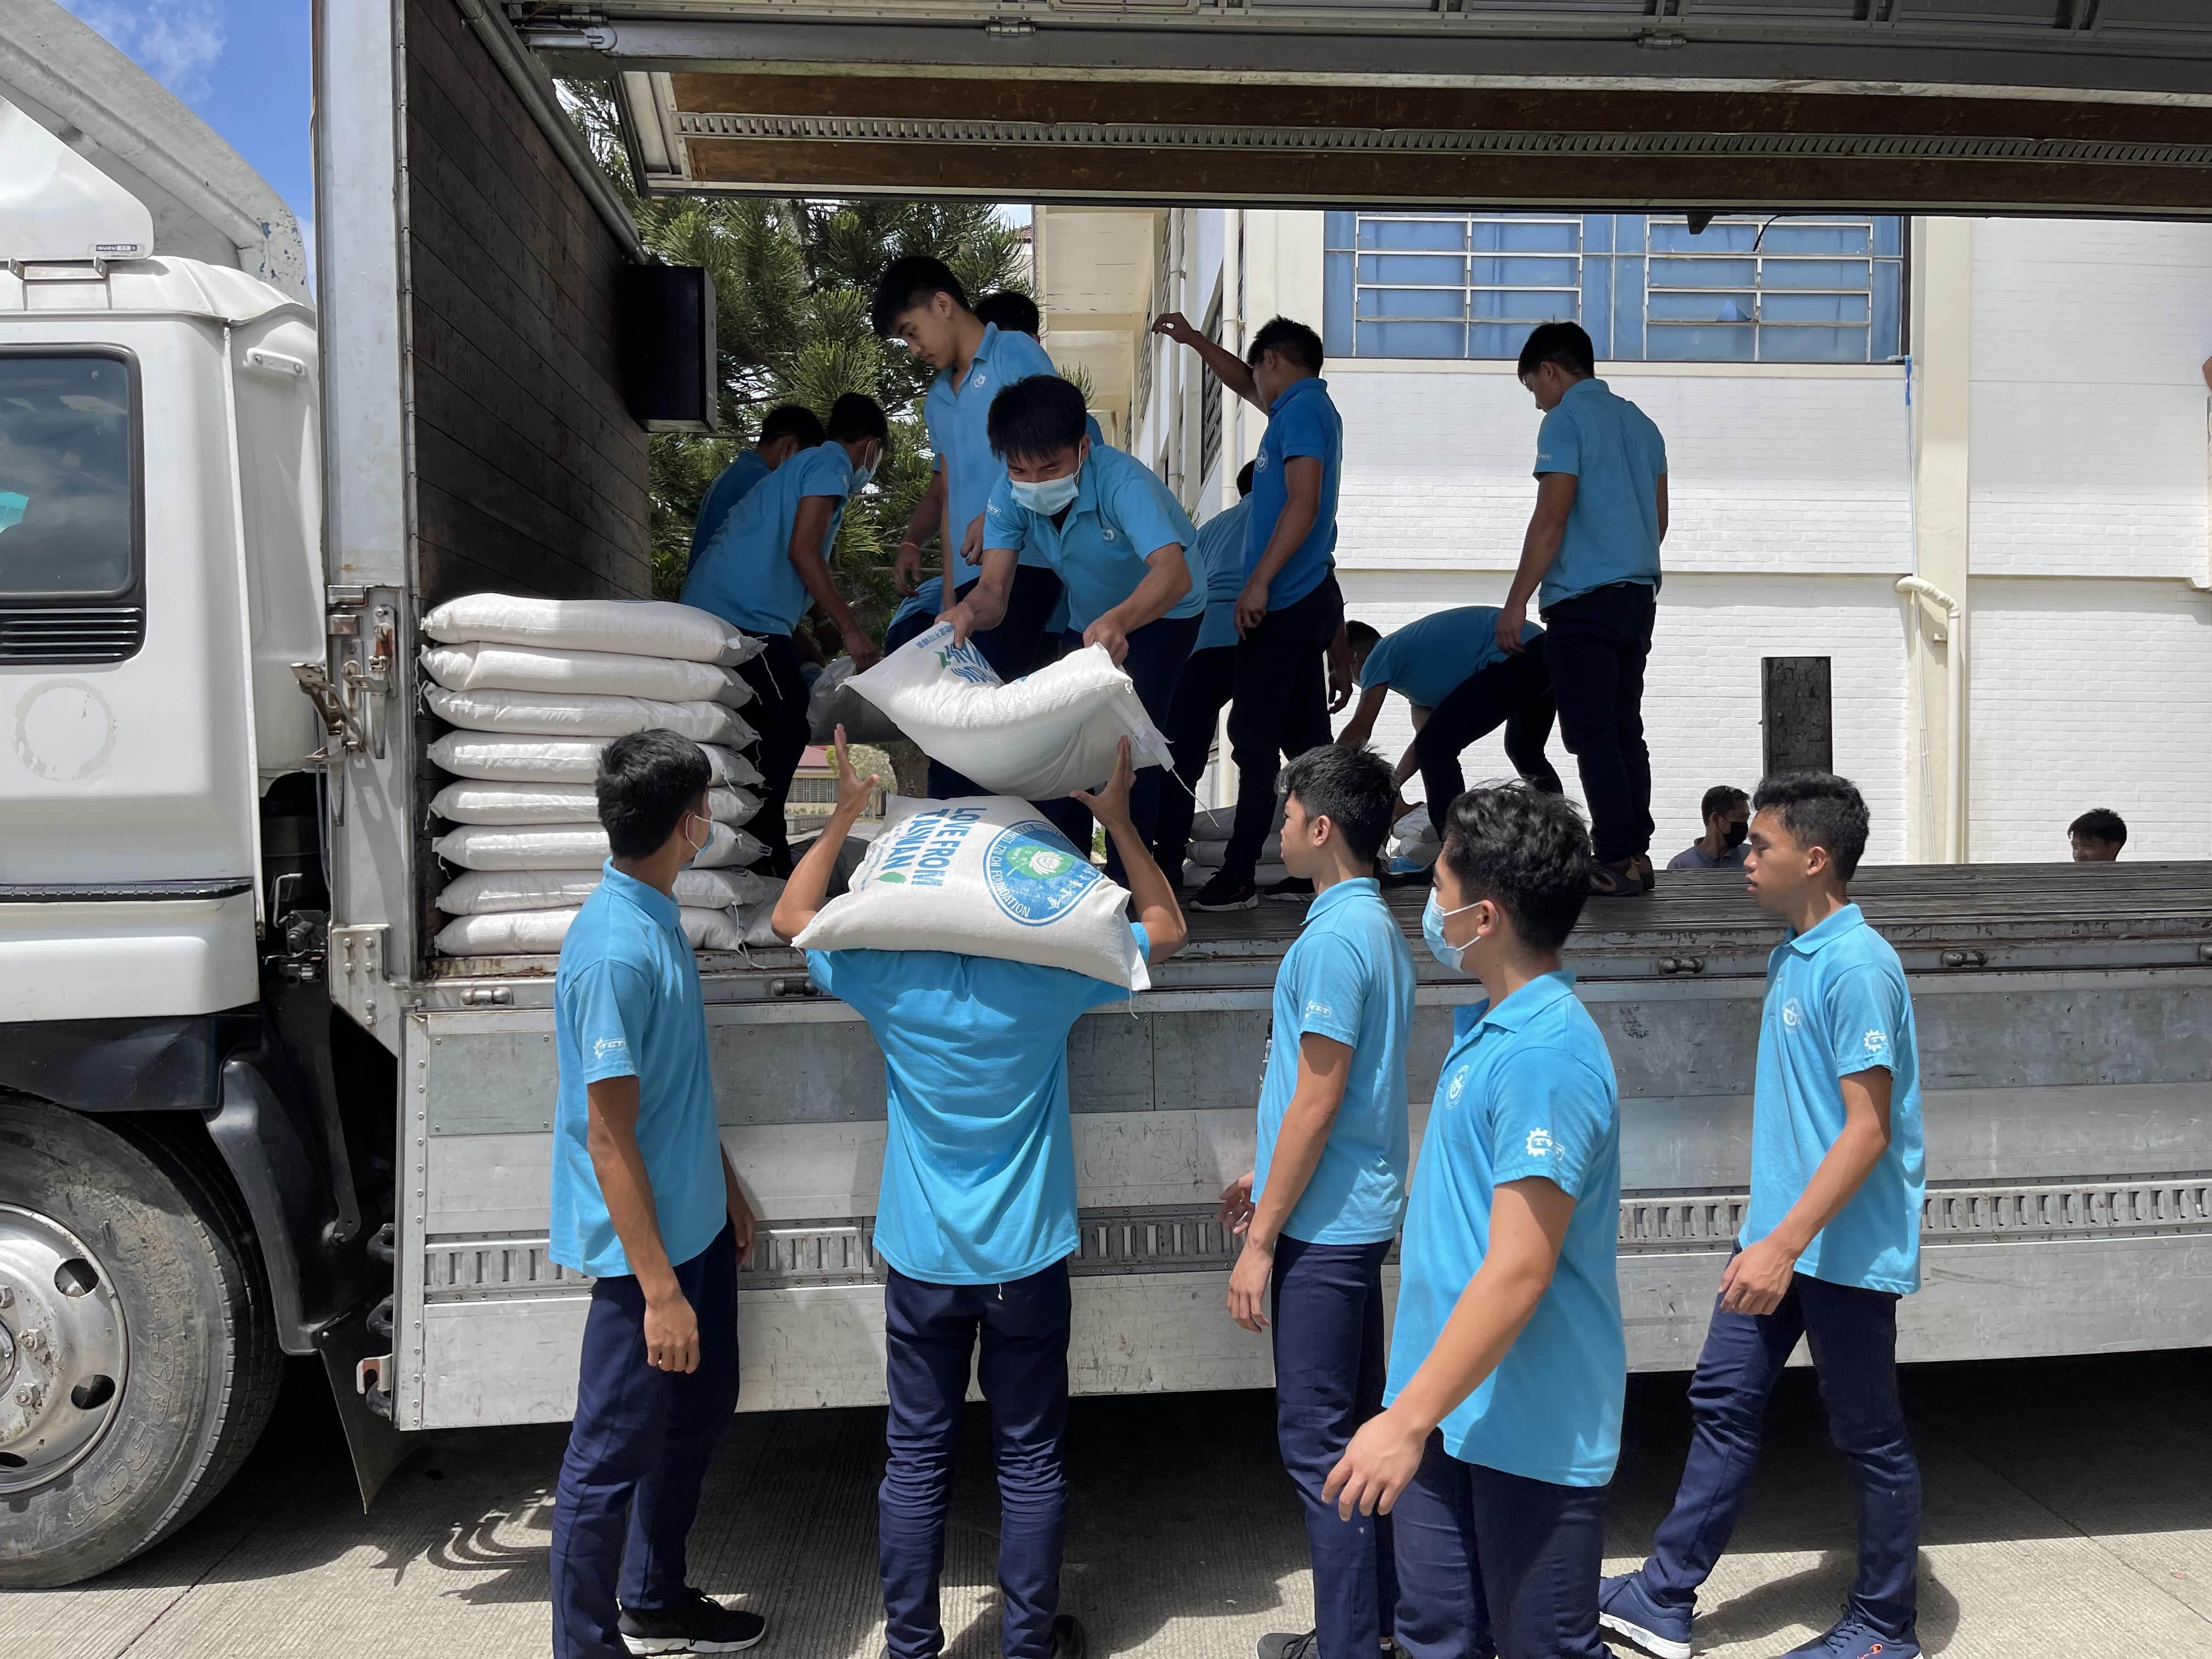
(242, 65)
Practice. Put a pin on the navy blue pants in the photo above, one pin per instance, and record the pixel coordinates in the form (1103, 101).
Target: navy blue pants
(637, 1455)
(1157, 654)
(1279, 708)
(1515, 694)
(1853, 1334)
(1496, 1564)
(1330, 1366)
(1596, 645)
(930, 1337)
(1011, 648)
(1202, 691)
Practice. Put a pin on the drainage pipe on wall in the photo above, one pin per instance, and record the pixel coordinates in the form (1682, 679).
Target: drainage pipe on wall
(1954, 754)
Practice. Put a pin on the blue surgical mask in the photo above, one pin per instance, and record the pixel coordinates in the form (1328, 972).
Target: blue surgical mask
(1049, 497)
(1432, 930)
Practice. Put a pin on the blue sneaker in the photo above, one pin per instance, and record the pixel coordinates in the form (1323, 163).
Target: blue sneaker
(1625, 1608)
(1855, 1638)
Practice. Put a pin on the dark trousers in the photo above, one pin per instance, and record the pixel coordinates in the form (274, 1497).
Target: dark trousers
(637, 1455)
(930, 1336)
(1515, 694)
(1157, 654)
(1596, 645)
(1496, 1564)
(1202, 691)
(778, 712)
(1326, 1301)
(1853, 1335)
(1011, 648)
(1280, 708)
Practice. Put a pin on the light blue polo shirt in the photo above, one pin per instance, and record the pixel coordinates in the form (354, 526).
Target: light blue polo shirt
(746, 576)
(1836, 1003)
(1301, 421)
(1217, 563)
(1618, 458)
(924, 600)
(979, 1156)
(1347, 975)
(1426, 661)
(1122, 513)
(958, 415)
(626, 1003)
(735, 483)
(1527, 1089)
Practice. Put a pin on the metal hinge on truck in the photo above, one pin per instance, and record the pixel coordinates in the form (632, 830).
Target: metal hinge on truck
(354, 706)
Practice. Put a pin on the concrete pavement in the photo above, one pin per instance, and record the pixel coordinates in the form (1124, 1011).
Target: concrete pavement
(2069, 1511)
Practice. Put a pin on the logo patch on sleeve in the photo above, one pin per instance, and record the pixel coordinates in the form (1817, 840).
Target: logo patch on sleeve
(1540, 1143)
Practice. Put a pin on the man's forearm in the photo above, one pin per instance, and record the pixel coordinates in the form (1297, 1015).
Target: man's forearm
(1537, 549)
(1229, 368)
(1294, 524)
(1487, 1320)
(627, 1190)
(1148, 885)
(986, 600)
(808, 888)
(1298, 1146)
(1850, 1160)
(814, 572)
(1162, 589)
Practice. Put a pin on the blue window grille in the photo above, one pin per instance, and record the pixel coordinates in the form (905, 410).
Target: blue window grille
(1800, 288)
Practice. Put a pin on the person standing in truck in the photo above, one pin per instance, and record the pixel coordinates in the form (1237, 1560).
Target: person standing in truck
(1508, 1365)
(1290, 616)
(1592, 558)
(1726, 811)
(770, 556)
(1327, 1187)
(975, 1221)
(1208, 679)
(2097, 836)
(646, 1204)
(784, 431)
(1830, 1243)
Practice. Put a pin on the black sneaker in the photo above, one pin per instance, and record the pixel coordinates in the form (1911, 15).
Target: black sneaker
(1068, 1641)
(697, 1624)
(1306, 1644)
(1226, 892)
(1297, 888)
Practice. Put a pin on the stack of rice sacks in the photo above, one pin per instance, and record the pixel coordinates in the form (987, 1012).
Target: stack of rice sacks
(1209, 842)
(534, 689)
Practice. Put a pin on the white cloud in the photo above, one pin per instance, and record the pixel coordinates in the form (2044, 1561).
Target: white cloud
(175, 41)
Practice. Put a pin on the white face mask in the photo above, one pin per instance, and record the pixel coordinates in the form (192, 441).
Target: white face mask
(861, 475)
(1433, 932)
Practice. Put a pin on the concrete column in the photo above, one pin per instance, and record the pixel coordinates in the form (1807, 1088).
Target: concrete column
(1941, 275)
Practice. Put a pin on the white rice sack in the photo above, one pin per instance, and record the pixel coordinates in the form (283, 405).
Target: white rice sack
(987, 877)
(539, 932)
(569, 846)
(497, 758)
(756, 921)
(1054, 730)
(1415, 826)
(630, 627)
(833, 702)
(584, 714)
(603, 673)
(1414, 843)
(488, 892)
(471, 801)
(1210, 853)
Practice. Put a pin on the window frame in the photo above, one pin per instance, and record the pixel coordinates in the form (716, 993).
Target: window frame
(132, 591)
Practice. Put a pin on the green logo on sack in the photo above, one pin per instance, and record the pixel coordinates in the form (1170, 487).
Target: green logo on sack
(1035, 874)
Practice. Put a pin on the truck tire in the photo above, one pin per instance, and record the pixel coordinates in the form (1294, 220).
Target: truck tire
(138, 1355)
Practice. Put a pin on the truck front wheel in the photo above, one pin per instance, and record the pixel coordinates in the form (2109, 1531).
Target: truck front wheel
(138, 1358)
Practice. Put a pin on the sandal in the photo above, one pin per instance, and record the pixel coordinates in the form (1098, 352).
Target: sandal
(1615, 880)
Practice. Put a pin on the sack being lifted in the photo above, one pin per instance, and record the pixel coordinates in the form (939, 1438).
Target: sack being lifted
(1048, 733)
(987, 877)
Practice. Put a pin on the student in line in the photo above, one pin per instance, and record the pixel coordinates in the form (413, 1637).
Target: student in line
(1591, 557)
(920, 303)
(1829, 1243)
(1289, 615)
(976, 1221)
(645, 1202)
(1208, 679)
(1462, 687)
(1726, 811)
(2097, 835)
(1110, 530)
(769, 557)
(784, 431)
(1328, 1189)
(1507, 1363)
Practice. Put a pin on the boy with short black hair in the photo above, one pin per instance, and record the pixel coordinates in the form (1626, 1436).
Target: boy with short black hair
(1327, 1186)
(1508, 1365)
(1011, 312)
(2097, 835)
(1830, 1243)
(784, 431)
(645, 1202)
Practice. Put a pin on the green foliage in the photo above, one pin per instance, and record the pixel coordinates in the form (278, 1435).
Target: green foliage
(792, 282)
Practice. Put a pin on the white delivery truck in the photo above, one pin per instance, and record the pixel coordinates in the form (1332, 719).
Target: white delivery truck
(244, 1113)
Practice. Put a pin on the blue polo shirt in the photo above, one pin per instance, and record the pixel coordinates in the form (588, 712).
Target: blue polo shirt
(1618, 458)
(1527, 1089)
(1217, 562)
(925, 600)
(1301, 421)
(735, 483)
(1122, 513)
(958, 413)
(979, 1156)
(1836, 1003)
(1347, 975)
(746, 576)
(626, 1003)
(1426, 661)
